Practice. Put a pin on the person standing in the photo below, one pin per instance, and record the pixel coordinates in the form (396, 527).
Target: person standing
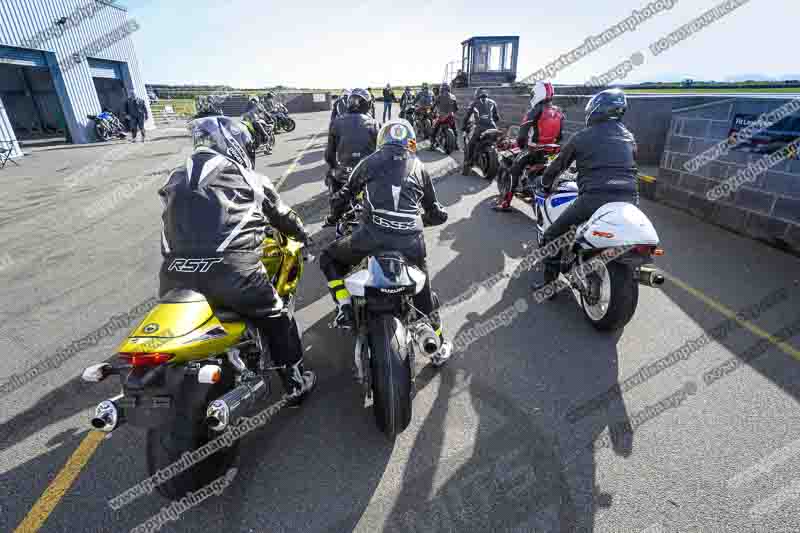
(388, 98)
(136, 110)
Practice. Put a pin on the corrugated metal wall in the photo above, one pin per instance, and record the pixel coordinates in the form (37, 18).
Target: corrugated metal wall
(23, 19)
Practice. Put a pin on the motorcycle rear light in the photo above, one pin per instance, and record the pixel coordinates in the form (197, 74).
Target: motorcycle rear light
(146, 359)
(646, 250)
(603, 234)
(658, 251)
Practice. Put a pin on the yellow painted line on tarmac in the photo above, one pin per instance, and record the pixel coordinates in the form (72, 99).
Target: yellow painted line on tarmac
(785, 347)
(61, 484)
(648, 179)
(293, 166)
(63, 481)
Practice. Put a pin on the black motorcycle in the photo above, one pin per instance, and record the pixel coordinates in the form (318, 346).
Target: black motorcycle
(282, 120)
(389, 330)
(485, 153)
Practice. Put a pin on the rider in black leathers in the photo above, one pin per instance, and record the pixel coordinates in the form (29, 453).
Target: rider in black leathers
(397, 190)
(605, 155)
(217, 208)
(424, 96)
(340, 105)
(486, 118)
(406, 100)
(351, 138)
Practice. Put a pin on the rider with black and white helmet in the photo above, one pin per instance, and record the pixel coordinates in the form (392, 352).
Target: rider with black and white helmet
(399, 200)
(605, 155)
(216, 206)
(484, 109)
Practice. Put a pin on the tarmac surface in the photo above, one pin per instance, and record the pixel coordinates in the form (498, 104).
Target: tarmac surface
(499, 439)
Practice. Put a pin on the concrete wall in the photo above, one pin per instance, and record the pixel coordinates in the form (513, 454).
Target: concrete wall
(21, 20)
(766, 209)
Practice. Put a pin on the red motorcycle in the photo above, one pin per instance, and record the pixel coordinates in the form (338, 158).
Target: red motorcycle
(446, 136)
(509, 152)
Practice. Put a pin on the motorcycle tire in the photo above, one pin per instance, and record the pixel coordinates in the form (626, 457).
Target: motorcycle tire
(289, 125)
(449, 141)
(427, 129)
(188, 432)
(487, 162)
(391, 374)
(102, 132)
(503, 182)
(623, 297)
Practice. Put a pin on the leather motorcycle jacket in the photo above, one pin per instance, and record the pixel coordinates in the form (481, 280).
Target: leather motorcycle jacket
(214, 206)
(399, 197)
(446, 103)
(351, 138)
(541, 125)
(486, 114)
(424, 98)
(605, 155)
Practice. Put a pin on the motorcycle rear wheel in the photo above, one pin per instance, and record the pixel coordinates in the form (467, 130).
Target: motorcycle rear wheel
(102, 132)
(617, 297)
(487, 162)
(449, 141)
(166, 445)
(391, 374)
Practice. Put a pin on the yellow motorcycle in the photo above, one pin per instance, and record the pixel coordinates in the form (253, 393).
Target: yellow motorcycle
(188, 373)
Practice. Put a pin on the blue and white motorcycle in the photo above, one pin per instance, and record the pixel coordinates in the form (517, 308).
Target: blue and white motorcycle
(611, 255)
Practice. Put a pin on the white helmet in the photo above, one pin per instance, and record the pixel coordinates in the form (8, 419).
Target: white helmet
(543, 90)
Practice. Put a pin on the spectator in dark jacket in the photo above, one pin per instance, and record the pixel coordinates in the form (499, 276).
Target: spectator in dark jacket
(136, 110)
(388, 98)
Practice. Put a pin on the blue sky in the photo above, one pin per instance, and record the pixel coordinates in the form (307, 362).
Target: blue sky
(313, 43)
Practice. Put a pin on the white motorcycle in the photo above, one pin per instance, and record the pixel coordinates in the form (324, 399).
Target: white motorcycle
(611, 255)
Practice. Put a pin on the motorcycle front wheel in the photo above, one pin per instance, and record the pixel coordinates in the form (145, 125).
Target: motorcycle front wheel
(612, 297)
(449, 141)
(289, 124)
(391, 374)
(102, 132)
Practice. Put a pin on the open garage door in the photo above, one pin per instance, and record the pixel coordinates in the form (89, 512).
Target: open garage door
(108, 81)
(29, 95)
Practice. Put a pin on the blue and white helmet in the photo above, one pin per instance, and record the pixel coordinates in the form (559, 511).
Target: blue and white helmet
(397, 132)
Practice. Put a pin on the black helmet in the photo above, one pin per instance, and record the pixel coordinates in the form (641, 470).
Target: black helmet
(358, 100)
(481, 93)
(253, 100)
(227, 136)
(270, 95)
(610, 104)
(445, 86)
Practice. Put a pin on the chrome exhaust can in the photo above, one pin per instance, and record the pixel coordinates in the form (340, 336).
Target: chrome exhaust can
(223, 411)
(650, 276)
(107, 415)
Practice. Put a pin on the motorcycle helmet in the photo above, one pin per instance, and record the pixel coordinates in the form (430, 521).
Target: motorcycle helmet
(227, 136)
(358, 101)
(610, 104)
(480, 92)
(542, 92)
(424, 86)
(270, 95)
(397, 132)
(254, 100)
(445, 88)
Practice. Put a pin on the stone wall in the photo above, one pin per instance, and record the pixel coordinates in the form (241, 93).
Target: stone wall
(767, 209)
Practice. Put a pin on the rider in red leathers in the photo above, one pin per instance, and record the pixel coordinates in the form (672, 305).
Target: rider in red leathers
(542, 124)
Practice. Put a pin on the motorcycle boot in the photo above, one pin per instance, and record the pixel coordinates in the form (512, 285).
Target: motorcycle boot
(298, 382)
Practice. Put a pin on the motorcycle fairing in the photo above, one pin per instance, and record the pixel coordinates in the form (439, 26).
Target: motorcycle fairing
(618, 224)
(188, 330)
(386, 274)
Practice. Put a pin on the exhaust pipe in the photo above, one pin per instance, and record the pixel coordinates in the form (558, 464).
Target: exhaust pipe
(650, 276)
(223, 411)
(107, 415)
(427, 340)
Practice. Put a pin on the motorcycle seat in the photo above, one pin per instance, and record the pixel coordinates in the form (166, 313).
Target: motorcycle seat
(545, 147)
